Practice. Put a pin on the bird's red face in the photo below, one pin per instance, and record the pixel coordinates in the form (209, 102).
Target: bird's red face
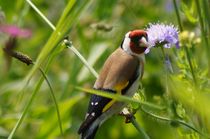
(135, 42)
(138, 43)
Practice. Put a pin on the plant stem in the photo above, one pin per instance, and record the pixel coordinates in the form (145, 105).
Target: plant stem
(204, 35)
(167, 61)
(119, 97)
(201, 22)
(178, 15)
(190, 64)
(84, 61)
(206, 6)
(41, 14)
(139, 128)
(168, 70)
(54, 99)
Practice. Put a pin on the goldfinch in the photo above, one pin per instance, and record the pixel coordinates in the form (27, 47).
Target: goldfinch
(120, 74)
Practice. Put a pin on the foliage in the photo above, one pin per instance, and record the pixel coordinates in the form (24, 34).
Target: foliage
(176, 81)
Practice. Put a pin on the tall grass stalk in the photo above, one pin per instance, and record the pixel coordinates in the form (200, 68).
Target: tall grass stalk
(178, 15)
(206, 6)
(201, 21)
(41, 14)
(190, 64)
(120, 98)
(54, 100)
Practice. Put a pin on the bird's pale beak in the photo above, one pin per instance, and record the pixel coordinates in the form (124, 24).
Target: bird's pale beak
(143, 42)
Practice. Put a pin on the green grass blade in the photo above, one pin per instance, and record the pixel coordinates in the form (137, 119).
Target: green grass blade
(54, 100)
(119, 98)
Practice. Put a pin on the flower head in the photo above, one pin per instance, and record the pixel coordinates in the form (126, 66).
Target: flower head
(162, 34)
(15, 31)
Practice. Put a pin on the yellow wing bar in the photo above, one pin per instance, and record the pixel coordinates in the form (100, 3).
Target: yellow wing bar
(119, 87)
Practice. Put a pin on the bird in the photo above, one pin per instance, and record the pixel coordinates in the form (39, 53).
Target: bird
(120, 74)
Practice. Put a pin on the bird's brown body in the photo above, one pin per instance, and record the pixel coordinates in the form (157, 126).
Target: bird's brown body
(125, 67)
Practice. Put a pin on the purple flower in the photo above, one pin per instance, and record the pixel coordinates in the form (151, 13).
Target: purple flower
(15, 31)
(161, 34)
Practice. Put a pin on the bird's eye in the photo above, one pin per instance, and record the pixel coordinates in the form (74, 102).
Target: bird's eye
(136, 39)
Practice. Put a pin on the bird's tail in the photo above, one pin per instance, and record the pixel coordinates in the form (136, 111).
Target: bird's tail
(89, 128)
(89, 134)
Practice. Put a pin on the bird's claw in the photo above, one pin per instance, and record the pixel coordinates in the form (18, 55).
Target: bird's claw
(128, 116)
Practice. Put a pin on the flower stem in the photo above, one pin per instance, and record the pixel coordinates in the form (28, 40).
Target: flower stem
(190, 64)
(167, 61)
(168, 69)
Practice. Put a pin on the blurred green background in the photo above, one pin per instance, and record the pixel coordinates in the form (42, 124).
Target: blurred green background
(96, 32)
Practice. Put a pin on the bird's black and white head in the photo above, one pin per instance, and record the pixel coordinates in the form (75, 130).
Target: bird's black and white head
(135, 42)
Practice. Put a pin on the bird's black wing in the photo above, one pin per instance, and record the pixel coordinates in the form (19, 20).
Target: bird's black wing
(95, 108)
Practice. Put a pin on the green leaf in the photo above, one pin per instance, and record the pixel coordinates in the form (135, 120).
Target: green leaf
(189, 11)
